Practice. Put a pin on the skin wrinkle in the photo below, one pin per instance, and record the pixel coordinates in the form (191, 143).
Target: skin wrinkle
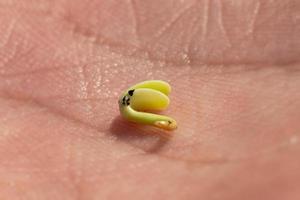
(193, 103)
(33, 72)
(75, 176)
(176, 17)
(97, 38)
(76, 188)
(15, 58)
(27, 114)
(193, 63)
(236, 69)
(267, 18)
(132, 4)
(190, 163)
(249, 34)
(114, 170)
(5, 38)
(195, 23)
(26, 152)
(40, 6)
(204, 30)
(207, 6)
(256, 11)
(100, 40)
(34, 170)
(83, 100)
(86, 90)
(78, 174)
(33, 149)
(8, 59)
(221, 24)
(36, 103)
(46, 43)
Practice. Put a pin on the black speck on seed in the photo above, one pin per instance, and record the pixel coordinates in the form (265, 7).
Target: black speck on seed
(128, 102)
(130, 92)
(123, 100)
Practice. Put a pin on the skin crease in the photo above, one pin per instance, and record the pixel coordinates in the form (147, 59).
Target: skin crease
(235, 76)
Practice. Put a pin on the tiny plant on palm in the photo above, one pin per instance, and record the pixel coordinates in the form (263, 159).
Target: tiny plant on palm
(142, 97)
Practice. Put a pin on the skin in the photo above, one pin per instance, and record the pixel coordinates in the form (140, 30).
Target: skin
(235, 76)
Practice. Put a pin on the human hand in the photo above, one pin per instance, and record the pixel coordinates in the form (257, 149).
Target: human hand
(234, 70)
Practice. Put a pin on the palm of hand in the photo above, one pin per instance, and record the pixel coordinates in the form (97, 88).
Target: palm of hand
(235, 76)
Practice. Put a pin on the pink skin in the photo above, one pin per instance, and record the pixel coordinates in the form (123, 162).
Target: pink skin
(234, 68)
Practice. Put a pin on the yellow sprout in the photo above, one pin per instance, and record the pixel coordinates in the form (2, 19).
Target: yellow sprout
(145, 96)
